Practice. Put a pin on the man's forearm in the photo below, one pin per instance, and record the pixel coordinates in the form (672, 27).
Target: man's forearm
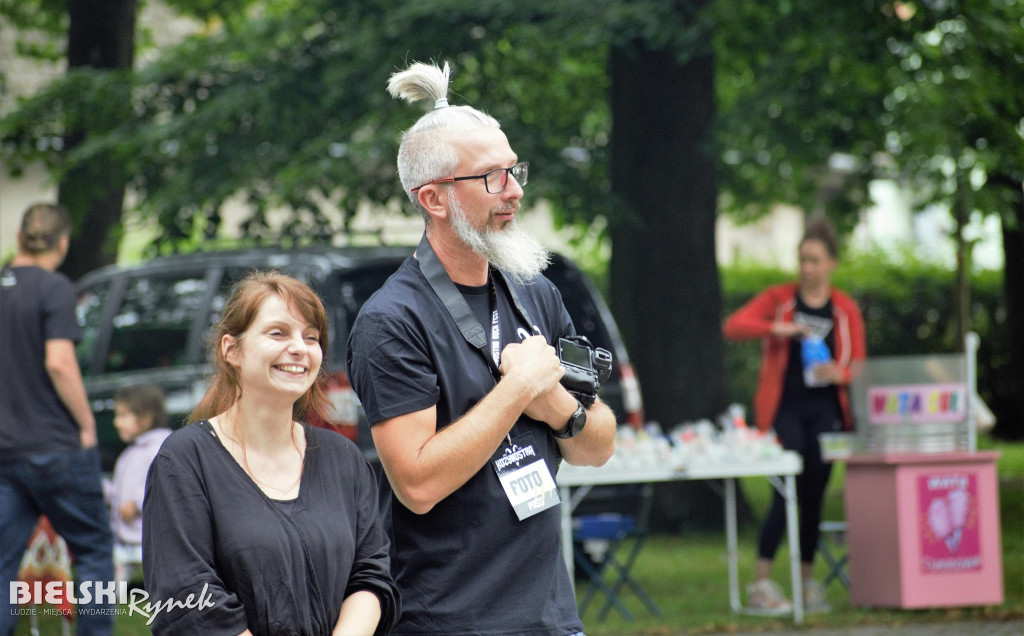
(460, 449)
(72, 394)
(425, 465)
(62, 367)
(596, 443)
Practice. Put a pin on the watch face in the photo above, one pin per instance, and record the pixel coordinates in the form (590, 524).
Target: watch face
(575, 424)
(579, 420)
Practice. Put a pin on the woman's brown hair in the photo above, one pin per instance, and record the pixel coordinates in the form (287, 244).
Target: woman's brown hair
(821, 229)
(239, 313)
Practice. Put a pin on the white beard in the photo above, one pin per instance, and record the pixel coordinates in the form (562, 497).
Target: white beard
(511, 249)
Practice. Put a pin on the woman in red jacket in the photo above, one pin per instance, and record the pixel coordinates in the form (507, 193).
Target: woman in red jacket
(801, 401)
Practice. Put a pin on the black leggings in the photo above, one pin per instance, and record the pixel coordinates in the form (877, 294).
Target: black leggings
(797, 425)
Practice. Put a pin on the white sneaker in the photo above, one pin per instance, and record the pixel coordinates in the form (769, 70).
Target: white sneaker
(765, 597)
(814, 597)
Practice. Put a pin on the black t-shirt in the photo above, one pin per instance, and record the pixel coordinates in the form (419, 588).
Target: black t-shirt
(468, 566)
(35, 306)
(278, 568)
(820, 320)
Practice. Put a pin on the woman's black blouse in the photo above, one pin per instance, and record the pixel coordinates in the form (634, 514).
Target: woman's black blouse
(249, 562)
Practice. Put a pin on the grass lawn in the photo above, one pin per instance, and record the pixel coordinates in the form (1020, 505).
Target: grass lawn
(687, 575)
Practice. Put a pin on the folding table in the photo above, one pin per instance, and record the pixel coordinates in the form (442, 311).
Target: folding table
(780, 470)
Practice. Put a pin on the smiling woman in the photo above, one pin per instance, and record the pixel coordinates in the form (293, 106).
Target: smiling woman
(270, 297)
(276, 520)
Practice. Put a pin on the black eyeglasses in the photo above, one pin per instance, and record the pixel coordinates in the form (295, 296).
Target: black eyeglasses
(495, 181)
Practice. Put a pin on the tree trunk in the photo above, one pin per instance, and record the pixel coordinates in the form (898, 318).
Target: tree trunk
(665, 288)
(664, 277)
(1009, 387)
(101, 36)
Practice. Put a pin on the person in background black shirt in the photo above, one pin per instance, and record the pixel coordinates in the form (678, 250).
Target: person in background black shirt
(49, 463)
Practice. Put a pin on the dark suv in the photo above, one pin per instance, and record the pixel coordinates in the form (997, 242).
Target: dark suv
(149, 323)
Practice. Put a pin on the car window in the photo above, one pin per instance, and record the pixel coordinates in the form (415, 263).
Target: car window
(352, 289)
(89, 312)
(357, 286)
(220, 297)
(150, 328)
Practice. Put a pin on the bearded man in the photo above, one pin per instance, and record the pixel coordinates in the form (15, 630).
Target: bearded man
(453, 362)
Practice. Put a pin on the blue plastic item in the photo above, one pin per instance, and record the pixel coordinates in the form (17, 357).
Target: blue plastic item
(814, 351)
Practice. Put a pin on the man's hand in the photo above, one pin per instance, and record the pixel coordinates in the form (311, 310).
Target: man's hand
(88, 437)
(534, 362)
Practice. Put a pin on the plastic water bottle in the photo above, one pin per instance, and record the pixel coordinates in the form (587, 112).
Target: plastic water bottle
(814, 352)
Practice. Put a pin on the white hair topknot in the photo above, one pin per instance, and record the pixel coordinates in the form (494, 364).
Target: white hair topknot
(421, 82)
(426, 151)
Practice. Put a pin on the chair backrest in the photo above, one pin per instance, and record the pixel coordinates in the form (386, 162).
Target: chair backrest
(608, 525)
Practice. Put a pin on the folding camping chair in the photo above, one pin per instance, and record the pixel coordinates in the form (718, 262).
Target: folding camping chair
(609, 543)
(832, 546)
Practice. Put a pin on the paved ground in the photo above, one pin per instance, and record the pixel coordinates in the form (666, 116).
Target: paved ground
(1010, 628)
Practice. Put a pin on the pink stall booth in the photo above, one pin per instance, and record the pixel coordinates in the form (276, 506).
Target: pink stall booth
(922, 504)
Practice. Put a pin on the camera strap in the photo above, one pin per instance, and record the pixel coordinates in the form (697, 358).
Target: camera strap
(453, 301)
(459, 309)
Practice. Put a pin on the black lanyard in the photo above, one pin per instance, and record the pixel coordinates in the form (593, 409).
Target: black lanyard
(457, 306)
(495, 322)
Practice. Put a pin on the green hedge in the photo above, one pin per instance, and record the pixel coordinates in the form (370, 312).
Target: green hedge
(909, 307)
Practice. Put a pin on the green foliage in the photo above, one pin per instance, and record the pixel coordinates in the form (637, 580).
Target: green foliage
(799, 82)
(285, 105)
(908, 308)
(37, 130)
(927, 93)
(288, 109)
(42, 25)
(40, 21)
(960, 62)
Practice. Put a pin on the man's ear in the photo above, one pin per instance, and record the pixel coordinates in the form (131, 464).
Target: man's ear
(434, 199)
(229, 350)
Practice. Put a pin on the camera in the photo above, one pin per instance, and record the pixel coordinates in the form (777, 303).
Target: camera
(586, 367)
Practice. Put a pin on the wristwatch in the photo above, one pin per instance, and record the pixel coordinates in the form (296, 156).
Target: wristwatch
(575, 424)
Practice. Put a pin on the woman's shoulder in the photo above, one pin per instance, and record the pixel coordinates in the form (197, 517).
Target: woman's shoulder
(187, 439)
(331, 440)
(337, 451)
